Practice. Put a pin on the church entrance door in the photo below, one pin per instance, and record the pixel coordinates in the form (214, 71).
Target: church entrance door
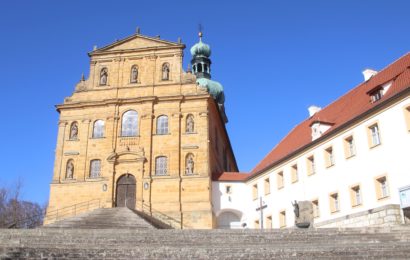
(126, 191)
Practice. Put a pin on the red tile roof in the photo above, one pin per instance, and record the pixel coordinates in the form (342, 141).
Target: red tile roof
(232, 176)
(353, 104)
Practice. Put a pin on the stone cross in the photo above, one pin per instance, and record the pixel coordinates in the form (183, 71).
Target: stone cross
(261, 208)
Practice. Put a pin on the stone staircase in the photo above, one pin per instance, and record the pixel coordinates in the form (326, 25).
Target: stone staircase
(104, 218)
(148, 243)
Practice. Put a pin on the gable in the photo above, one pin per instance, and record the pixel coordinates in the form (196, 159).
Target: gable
(136, 42)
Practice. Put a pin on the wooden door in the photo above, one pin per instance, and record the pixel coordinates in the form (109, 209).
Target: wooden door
(126, 191)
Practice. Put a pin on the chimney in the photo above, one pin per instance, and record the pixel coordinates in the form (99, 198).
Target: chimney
(313, 110)
(368, 73)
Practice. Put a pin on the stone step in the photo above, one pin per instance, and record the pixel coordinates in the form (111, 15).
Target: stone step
(104, 218)
(205, 244)
(204, 253)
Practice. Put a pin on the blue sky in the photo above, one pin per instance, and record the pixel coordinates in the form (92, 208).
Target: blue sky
(274, 58)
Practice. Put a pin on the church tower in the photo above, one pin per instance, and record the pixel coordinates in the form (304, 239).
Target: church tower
(142, 133)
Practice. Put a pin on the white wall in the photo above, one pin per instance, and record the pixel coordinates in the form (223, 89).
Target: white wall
(390, 158)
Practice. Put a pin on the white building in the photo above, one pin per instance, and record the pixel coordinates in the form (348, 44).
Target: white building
(351, 159)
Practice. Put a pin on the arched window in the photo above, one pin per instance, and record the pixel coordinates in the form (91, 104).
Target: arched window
(98, 129)
(69, 172)
(104, 77)
(129, 125)
(189, 164)
(134, 74)
(161, 164)
(95, 168)
(165, 71)
(162, 125)
(190, 124)
(74, 131)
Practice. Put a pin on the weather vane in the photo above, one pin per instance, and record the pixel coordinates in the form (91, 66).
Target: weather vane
(200, 29)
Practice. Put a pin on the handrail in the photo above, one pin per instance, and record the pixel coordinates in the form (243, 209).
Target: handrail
(71, 210)
(155, 216)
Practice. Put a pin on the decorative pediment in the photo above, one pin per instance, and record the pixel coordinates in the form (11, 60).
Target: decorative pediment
(135, 42)
(127, 156)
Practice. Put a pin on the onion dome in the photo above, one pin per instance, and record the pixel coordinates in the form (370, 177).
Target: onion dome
(201, 49)
(214, 88)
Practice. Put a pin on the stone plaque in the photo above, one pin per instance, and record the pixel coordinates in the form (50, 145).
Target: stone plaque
(303, 214)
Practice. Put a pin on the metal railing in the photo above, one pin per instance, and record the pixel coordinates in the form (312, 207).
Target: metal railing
(71, 211)
(158, 218)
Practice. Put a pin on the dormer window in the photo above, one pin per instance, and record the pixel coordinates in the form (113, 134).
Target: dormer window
(378, 92)
(376, 95)
(318, 128)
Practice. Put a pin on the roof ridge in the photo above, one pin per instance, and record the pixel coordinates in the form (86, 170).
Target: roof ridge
(363, 83)
(135, 35)
(291, 143)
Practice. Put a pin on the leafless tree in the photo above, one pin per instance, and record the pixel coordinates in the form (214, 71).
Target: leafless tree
(18, 213)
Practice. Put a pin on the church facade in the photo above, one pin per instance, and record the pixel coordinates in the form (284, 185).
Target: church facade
(143, 133)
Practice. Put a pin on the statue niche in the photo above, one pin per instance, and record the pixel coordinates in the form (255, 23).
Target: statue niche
(69, 170)
(190, 125)
(189, 164)
(103, 77)
(134, 74)
(165, 71)
(74, 131)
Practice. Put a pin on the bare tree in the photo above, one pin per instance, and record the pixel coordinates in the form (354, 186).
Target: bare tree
(18, 213)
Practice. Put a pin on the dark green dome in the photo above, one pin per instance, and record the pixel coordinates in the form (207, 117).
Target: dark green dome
(214, 88)
(201, 49)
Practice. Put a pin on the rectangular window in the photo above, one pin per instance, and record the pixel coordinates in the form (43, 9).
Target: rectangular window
(311, 166)
(294, 173)
(255, 191)
(334, 202)
(376, 95)
(95, 168)
(256, 224)
(282, 219)
(382, 187)
(355, 196)
(269, 222)
(350, 148)
(228, 189)
(267, 186)
(280, 180)
(161, 165)
(374, 135)
(407, 117)
(329, 157)
(316, 212)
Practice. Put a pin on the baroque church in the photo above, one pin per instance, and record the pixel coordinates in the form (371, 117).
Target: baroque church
(140, 132)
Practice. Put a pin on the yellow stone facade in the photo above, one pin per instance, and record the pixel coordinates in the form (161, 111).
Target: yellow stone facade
(184, 198)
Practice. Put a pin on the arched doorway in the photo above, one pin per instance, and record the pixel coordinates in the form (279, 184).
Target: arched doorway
(229, 219)
(126, 191)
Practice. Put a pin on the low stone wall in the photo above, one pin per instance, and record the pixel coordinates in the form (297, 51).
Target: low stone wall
(388, 215)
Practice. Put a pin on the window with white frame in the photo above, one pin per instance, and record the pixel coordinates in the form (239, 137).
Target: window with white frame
(334, 202)
(350, 148)
(356, 196)
(311, 165)
(329, 157)
(374, 135)
(382, 187)
(294, 173)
